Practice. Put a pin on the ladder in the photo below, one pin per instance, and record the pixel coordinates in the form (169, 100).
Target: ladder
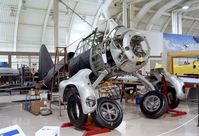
(60, 73)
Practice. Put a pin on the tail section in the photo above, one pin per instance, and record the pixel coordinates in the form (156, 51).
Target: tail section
(45, 62)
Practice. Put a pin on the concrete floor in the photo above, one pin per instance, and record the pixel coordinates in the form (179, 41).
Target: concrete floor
(134, 123)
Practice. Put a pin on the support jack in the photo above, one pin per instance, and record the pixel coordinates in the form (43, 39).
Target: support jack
(90, 129)
(176, 113)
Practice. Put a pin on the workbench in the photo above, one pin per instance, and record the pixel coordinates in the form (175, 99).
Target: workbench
(129, 90)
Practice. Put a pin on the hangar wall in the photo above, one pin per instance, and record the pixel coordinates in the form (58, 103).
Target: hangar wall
(155, 40)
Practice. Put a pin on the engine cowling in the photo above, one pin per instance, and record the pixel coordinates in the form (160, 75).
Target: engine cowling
(130, 49)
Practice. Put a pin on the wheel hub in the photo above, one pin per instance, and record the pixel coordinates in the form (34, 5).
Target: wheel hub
(109, 111)
(152, 103)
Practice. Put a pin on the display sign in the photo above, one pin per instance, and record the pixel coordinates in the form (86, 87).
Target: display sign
(12, 131)
(48, 131)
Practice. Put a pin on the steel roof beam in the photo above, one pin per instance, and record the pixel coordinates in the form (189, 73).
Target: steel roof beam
(166, 24)
(17, 25)
(191, 27)
(191, 9)
(144, 10)
(56, 23)
(160, 12)
(46, 21)
(97, 16)
(134, 1)
(70, 24)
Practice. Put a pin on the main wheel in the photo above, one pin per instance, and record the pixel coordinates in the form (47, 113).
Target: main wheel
(108, 113)
(173, 101)
(153, 104)
(75, 112)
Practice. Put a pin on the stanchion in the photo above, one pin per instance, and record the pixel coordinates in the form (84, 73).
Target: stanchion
(198, 108)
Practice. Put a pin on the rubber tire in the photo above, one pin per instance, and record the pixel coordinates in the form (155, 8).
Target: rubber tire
(173, 101)
(74, 100)
(160, 111)
(101, 121)
(68, 92)
(170, 90)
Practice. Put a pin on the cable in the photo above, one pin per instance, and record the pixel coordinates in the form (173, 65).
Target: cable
(77, 40)
(81, 19)
(76, 13)
(172, 130)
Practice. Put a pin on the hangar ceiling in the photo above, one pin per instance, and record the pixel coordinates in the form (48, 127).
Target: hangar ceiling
(26, 24)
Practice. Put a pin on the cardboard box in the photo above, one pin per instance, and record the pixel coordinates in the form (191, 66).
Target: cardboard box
(35, 106)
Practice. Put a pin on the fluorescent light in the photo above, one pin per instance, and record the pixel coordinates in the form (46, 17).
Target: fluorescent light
(185, 7)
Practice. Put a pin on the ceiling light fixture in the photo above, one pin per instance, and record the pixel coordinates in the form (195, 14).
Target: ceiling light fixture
(101, 17)
(12, 11)
(185, 7)
(24, 5)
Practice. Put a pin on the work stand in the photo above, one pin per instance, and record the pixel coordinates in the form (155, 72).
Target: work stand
(174, 113)
(89, 128)
(60, 72)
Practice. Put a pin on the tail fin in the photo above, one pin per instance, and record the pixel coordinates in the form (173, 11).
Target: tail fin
(45, 62)
(70, 55)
